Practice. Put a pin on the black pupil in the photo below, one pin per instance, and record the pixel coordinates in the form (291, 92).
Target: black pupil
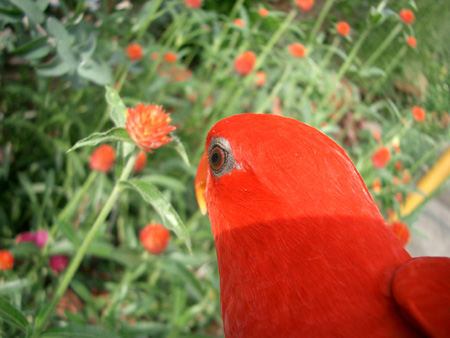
(215, 157)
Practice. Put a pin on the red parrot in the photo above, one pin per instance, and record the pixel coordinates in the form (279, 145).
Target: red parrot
(302, 249)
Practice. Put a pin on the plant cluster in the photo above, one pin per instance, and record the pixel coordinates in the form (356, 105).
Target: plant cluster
(105, 107)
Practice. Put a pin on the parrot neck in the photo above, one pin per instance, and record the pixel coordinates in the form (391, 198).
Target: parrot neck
(286, 271)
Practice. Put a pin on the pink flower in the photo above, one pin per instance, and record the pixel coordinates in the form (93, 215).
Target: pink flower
(39, 237)
(58, 263)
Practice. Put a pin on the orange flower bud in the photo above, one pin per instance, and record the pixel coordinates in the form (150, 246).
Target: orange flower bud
(6, 260)
(148, 126)
(305, 5)
(376, 135)
(399, 197)
(376, 185)
(141, 160)
(398, 165)
(102, 159)
(407, 16)
(244, 63)
(263, 12)
(154, 56)
(381, 157)
(170, 57)
(401, 230)
(297, 50)
(193, 3)
(418, 113)
(134, 51)
(411, 41)
(239, 22)
(261, 78)
(343, 28)
(154, 238)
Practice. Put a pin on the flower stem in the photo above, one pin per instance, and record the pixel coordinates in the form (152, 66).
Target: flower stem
(376, 54)
(344, 67)
(323, 13)
(76, 261)
(275, 90)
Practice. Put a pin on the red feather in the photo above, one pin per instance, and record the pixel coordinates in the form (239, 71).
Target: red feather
(302, 249)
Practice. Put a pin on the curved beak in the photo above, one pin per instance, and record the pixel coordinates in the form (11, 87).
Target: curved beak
(200, 183)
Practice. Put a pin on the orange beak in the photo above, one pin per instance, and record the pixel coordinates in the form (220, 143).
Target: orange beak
(200, 183)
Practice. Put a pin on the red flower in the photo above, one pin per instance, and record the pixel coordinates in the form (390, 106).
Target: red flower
(154, 56)
(239, 22)
(399, 197)
(261, 78)
(381, 157)
(58, 263)
(170, 57)
(407, 16)
(134, 51)
(305, 5)
(411, 41)
(244, 63)
(263, 12)
(154, 238)
(398, 165)
(343, 28)
(297, 50)
(6, 260)
(376, 185)
(141, 160)
(102, 159)
(418, 113)
(148, 126)
(402, 232)
(193, 3)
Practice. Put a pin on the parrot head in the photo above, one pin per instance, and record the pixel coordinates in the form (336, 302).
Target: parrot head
(259, 167)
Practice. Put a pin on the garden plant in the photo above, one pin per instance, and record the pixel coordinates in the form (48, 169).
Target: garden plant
(104, 109)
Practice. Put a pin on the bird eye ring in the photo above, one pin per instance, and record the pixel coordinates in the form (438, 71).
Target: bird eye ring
(221, 160)
(217, 158)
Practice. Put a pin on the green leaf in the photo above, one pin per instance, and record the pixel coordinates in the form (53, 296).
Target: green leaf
(78, 331)
(7, 288)
(30, 9)
(99, 73)
(371, 71)
(176, 143)
(118, 108)
(114, 134)
(145, 15)
(89, 48)
(12, 316)
(54, 68)
(58, 31)
(170, 217)
(33, 50)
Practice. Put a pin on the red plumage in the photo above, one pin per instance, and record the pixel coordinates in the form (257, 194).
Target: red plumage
(302, 249)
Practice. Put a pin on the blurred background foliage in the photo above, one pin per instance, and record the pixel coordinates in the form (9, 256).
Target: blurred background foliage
(58, 56)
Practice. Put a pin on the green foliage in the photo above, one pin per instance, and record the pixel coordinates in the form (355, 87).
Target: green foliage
(66, 83)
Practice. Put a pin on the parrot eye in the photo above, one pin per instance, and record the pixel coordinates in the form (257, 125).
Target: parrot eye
(221, 160)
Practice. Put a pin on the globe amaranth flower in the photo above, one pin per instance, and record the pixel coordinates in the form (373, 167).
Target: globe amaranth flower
(6, 260)
(154, 238)
(418, 113)
(245, 62)
(193, 3)
(38, 237)
(170, 57)
(343, 28)
(297, 50)
(102, 159)
(381, 157)
(411, 41)
(239, 22)
(148, 126)
(260, 78)
(263, 12)
(305, 5)
(407, 16)
(134, 51)
(401, 230)
(58, 263)
(141, 160)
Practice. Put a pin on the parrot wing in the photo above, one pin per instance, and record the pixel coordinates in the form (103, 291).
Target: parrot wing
(421, 288)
